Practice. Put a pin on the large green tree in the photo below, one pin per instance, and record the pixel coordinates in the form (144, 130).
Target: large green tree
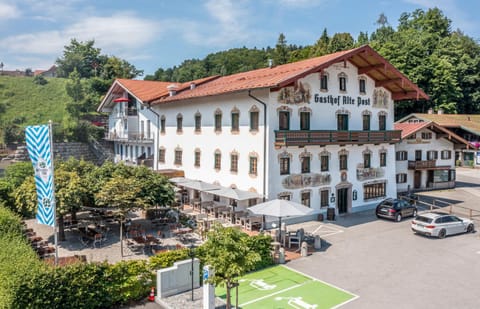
(227, 250)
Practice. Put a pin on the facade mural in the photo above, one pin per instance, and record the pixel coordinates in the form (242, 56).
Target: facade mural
(369, 173)
(296, 94)
(297, 181)
(380, 98)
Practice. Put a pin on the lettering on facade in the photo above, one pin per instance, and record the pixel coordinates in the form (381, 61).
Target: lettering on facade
(297, 181)
(369, 173)
(341, 100)
(296, 94)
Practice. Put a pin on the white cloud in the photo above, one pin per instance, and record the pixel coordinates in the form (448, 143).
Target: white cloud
(226, 24)
(8, 11)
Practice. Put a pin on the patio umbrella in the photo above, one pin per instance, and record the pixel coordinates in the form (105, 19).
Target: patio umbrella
(281, 208)
(180, 180)
(236, 194)
(199, 185)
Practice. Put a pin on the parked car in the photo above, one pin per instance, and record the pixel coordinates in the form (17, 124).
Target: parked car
(439, 224)
(395, 209)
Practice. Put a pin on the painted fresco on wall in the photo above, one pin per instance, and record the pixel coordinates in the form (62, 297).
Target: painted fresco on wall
(380, 98)
(298, 181)
(296, 94)
(369, 173)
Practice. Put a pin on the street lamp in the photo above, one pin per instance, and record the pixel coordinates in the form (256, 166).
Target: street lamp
(191, 253)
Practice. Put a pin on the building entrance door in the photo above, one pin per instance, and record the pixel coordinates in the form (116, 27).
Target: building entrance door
(417, 179)
(342, 204)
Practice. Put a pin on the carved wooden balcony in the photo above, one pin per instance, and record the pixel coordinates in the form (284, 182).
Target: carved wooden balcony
(333, 137)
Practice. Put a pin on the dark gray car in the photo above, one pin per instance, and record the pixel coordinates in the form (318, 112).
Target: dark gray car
(395, 209)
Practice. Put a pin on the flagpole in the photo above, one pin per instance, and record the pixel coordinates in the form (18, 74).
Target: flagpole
(54, 202)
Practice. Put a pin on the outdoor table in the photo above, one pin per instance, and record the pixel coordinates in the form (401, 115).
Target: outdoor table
(182, 230)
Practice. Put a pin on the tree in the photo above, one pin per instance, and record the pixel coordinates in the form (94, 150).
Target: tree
(82, 56)
(321, 47)
(341, 41)
(123, 194)
(228, 252)
(25, 197)
(75, 90)
(156, 189)
(280, 55)
(115, 67)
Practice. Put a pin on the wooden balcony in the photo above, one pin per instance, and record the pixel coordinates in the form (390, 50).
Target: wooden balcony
(421, 165)
(333, 137)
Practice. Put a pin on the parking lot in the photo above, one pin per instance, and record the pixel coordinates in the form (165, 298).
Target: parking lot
(388, 266)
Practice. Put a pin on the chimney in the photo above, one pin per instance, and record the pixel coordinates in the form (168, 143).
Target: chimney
(430, 111)
(172, 89)
(192, 86)
(270, 63)
(440, 111)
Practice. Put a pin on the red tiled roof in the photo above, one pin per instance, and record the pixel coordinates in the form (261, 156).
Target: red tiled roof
(409, 128)
(145, 90)
(467, 122)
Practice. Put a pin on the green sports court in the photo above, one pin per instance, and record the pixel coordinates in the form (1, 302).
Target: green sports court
(281, 287)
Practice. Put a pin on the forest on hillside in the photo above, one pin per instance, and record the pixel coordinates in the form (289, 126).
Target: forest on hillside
(445, 63)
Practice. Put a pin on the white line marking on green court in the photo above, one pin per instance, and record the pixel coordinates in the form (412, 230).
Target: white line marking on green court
(278, 292)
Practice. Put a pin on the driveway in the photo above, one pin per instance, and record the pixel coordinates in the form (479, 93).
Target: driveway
(390, 267)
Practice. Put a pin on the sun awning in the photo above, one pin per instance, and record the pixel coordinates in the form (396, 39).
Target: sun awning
(236, 194)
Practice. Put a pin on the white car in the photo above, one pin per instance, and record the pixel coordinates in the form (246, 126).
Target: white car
(440, 224)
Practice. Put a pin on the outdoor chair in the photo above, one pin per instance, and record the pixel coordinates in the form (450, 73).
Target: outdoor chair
(97, 239)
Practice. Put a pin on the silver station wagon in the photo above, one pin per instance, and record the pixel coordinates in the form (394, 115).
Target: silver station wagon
(440, 224)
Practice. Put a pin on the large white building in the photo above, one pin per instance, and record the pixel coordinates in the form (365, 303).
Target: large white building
(318, 131)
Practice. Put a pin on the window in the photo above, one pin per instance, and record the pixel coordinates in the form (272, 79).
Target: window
(162, 125)
(401, 178)
(198, 122)
(178, 157)
(197, 158)
(218, 121)
(426, 135)
(304, 121)
(383, 159)
(375, 190)
(366, 122)
(142, 129)
(361, 85)
(432, 155)
(305, 164)
(343, 161)
(284, 166)
(342, 122)
(418, 155)
(306, 198)
(148, 130)
(216, 198)
(401, 156)
(254, 121)
(412, 136)
(446, 154)
(179, 123)
(366, 160)
(253, 165)
(324, 198)
(382, 122)
(234, 162)
(235, 121)
(342, 82)
(324, 162)
(161, 154)
(217, 160)
(284, 120)
(324, 82)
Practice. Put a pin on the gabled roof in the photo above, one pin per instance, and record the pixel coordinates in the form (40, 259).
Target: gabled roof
(470, 123)
(410, 128)
(367, 61)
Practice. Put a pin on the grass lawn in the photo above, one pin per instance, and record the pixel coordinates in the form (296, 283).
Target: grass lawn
(281, 287)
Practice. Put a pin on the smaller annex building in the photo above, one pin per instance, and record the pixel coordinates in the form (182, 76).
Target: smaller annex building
(425, 158)
(463, 125)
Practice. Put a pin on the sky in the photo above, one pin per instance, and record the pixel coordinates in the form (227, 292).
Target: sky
(152, 34)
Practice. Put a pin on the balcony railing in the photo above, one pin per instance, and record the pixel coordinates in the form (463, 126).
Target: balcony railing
(329, 137)
(418, 165)
(130, 137)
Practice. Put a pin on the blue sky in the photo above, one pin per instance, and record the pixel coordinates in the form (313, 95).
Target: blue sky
(154, 33)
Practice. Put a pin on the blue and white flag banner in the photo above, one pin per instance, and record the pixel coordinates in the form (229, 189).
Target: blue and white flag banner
(40, 152)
